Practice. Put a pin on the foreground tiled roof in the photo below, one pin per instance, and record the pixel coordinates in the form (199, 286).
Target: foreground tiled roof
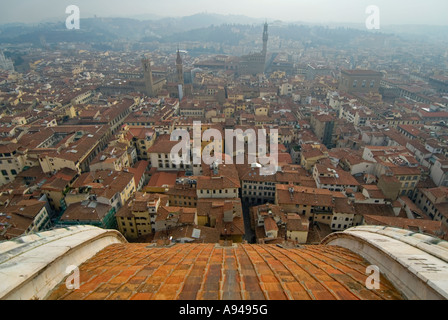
(211, 272)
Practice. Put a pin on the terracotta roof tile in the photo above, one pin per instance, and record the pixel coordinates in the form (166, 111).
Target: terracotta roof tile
(211, 272)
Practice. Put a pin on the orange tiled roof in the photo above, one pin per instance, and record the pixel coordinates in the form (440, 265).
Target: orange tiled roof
(211, 272)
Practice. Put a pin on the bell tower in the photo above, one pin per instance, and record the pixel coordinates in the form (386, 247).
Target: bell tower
(180, 69)
(147, 72)
(265, 39)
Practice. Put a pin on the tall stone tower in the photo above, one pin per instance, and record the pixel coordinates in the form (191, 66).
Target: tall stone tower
(265, 39)
(180, 76)
(255, 63)
(180, 69)
(147, 72)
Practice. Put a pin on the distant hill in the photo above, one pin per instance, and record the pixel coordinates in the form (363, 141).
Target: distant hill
(438, 33)
(206, 27)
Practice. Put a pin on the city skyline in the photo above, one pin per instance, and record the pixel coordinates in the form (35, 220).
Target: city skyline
(432, 12)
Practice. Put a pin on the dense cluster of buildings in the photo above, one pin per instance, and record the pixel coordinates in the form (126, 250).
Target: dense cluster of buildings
(85, 139)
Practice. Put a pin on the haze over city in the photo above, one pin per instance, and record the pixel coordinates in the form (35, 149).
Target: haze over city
(397, 12)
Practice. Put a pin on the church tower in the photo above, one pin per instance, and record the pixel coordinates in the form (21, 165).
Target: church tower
(180, 69)
(147, 72)
(180, 76)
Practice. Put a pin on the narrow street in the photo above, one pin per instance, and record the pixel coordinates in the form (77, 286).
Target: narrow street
(249, 233)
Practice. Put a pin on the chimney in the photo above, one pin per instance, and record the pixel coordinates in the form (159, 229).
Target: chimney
(228, 215)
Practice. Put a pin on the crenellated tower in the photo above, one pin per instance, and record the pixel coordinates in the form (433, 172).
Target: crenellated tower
(147, 72)
(265, 39)
(180, 69)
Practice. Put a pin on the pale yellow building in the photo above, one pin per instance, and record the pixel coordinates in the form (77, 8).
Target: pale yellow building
(311, 153)
(262, 111)
(112, 158)
(297, 229)
(12, 162)
(137, 218)
(112, 188)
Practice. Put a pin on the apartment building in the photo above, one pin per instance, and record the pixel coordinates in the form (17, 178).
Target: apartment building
(343, 214)
(69, 147)
(23, 217)
(112, 188)
(218, 182)
(12, 162)
(170, 217)
(56, 187)
(324, 127)
(259, 189)
(138, 216)
(89, 213)
(439, 172)
(434, 203)
(160, 155)
(223, 215)
(272, 223)
(114, 157)
(311, 153)
(140, 138)
(360, 81)
(312, 203)
(395, 162)
(333, 178)
(183, 193)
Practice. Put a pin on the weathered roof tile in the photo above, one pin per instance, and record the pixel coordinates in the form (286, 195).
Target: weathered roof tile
(207, 272)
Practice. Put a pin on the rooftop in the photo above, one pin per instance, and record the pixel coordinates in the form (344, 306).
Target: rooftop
(208, 271)
(112, 268)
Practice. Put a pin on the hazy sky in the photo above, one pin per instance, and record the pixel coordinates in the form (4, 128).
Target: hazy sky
(354, 11)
